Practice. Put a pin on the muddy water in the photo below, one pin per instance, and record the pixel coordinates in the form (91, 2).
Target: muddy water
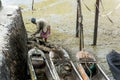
(61, 15)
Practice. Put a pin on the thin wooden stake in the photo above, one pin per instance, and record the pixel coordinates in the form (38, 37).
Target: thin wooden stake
(32, 5)
(96, 23)
(80, 25)
(77, 23)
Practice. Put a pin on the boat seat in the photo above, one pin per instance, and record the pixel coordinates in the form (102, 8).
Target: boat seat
(38, 62)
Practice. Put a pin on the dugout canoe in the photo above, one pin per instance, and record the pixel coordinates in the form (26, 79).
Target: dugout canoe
(89, 68)
(38, 65)
(62, 66)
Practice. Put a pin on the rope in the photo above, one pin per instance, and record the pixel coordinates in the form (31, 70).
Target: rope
(117, 7)
(105, 15)
(86, 6)
(102, 5)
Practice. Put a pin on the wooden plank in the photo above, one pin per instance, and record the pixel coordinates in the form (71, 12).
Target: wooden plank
(82, 72)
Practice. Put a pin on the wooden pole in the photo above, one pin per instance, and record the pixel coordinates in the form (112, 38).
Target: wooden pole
(77, 22)
(32, 4)
(96, 23)
(80, 25)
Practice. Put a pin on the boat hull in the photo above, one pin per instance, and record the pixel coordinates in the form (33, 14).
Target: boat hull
(62, 65)
(88, 67)
(38, 65)
(113, 59)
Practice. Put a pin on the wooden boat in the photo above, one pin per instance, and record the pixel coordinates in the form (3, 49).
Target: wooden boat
(113, 59)
(62, 66)
(88, 67)
(38, 65)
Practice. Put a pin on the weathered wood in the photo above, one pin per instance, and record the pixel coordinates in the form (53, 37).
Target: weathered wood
(96, 23)
(42, 47)
(32, 5)
(59, 63)
(79, 25)
(85, 61)
(82, 72)
(37, 42)
(77, 22)
(38, 65)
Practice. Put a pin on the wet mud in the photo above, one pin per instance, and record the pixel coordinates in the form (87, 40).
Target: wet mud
(61, 15)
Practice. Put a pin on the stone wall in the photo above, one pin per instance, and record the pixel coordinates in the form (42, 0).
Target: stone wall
(13, 44)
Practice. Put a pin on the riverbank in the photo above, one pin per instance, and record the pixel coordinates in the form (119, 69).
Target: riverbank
(62, 17)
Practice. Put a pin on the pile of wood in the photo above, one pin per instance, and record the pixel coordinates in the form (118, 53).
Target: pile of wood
(37, 42)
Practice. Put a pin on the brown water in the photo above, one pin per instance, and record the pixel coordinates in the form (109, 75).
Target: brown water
(61, 14)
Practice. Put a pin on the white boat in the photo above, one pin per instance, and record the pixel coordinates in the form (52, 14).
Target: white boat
(38, 65)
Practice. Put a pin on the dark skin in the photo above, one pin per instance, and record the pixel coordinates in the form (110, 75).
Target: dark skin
(40, 28)
(37, 30)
